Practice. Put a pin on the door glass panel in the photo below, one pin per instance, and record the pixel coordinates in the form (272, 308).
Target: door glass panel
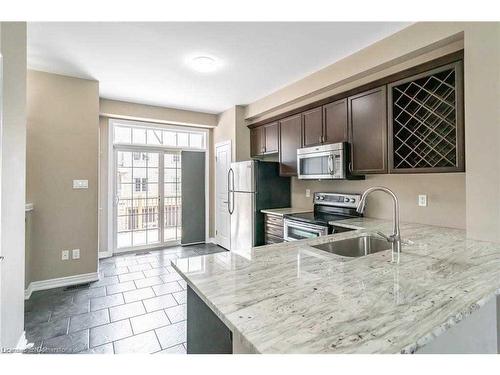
(182, 139)
(314, 165)
(137, 214)
(172, 196)
(122, 134)
(139, 136)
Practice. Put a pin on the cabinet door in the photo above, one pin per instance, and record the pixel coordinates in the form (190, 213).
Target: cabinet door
(368, 131)
(271, 137)
(313, 127)
(290, 140)
(257, 141)
(335, 120)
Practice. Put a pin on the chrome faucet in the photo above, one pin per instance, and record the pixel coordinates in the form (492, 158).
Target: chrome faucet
(395, 237)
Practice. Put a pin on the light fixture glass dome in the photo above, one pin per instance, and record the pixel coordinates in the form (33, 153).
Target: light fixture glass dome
(204, 64)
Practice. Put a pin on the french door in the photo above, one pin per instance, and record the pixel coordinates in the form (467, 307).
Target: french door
(147, 204)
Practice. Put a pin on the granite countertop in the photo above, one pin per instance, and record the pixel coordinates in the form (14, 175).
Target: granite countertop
(286, 211)
(293, 298)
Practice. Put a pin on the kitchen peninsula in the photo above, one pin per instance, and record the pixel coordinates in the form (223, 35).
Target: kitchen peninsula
(293, 298)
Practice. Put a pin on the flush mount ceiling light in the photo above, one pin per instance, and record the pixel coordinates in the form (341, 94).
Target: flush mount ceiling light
(203, 64)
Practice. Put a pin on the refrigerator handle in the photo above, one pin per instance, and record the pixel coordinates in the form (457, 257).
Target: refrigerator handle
(230, 191)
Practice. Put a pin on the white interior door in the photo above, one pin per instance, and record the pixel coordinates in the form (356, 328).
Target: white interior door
(222, 217)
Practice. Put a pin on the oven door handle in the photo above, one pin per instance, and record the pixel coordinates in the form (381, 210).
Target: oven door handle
(321, 231)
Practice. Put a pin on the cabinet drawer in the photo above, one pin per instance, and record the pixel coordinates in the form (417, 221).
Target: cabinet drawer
(274, 219)
(270, 239)
(274, 230)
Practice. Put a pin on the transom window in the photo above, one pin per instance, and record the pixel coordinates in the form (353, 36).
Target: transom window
(140, 135)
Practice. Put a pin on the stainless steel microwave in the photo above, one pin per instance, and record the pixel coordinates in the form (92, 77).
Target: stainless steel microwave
(326, 162)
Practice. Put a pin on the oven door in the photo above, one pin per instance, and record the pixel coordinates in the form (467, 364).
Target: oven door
(294, 231)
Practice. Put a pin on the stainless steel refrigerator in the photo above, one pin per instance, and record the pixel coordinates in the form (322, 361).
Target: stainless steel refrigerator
(252, 186)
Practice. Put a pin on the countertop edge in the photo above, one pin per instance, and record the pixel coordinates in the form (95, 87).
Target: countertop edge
(214, 308)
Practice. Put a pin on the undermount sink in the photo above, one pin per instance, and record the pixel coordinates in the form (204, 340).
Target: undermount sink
(355, 247)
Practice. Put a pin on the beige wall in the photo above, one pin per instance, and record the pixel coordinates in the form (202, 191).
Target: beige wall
(445, 196)
(12, 180)
(142, 112)
(62, 145)
(416, 44)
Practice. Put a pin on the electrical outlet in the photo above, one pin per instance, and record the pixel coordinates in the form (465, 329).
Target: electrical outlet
(80, 184)
(76, 253)
(422, 200)
(65, 255)
(308, 193)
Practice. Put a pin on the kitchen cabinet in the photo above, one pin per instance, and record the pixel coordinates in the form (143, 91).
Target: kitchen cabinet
(271, 138)
(257, 145)
(273, 228)
(313, 127)
(264, 140)
(335, 122)
(367, 116)
(290, 136)
(426, 128)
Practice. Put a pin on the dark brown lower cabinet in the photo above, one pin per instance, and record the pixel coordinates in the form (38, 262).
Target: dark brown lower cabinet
(290, 130)
(273, 228)
(368, 131)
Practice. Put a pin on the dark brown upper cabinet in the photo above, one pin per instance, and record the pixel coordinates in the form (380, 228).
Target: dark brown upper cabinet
(257, 145)
(335, 122)
(290, 135)
(368, 131)
(426, 127)
(271, 138)
(264, 140)
(313, 127)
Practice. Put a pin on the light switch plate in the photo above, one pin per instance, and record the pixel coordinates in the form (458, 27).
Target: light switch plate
(76, 253)
(308, 193)
(80, 184)
(422, 200)
(65, 255)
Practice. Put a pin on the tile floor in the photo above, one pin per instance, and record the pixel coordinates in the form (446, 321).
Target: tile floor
(138, 305)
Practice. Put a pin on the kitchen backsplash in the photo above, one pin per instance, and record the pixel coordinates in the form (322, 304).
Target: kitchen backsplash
(445, 196)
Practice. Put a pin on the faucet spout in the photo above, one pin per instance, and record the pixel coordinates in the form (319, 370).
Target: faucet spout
(395, 237)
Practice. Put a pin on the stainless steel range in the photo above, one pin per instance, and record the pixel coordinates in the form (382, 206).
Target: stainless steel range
(328, 207)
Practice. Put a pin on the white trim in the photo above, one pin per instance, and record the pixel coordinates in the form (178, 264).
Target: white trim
(211, 240)
(22, 343)
(105, 254)
(218, 144)
(60, 282)
(112, 249)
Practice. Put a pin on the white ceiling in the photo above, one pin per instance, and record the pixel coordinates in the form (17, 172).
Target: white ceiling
(145, 62)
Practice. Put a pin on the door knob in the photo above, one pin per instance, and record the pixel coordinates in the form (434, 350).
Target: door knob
(1, 258)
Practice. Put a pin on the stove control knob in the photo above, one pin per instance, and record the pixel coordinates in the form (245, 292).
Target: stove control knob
(353, 200)
(321, 197)
(346, 200)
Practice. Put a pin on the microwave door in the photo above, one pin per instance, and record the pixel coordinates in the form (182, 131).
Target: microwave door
(314, 165)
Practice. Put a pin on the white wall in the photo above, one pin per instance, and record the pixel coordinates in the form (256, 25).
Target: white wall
(12, 175)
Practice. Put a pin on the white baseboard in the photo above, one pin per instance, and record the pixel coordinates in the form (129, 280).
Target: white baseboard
(60, 282)
(105, 254)
(22, 343)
